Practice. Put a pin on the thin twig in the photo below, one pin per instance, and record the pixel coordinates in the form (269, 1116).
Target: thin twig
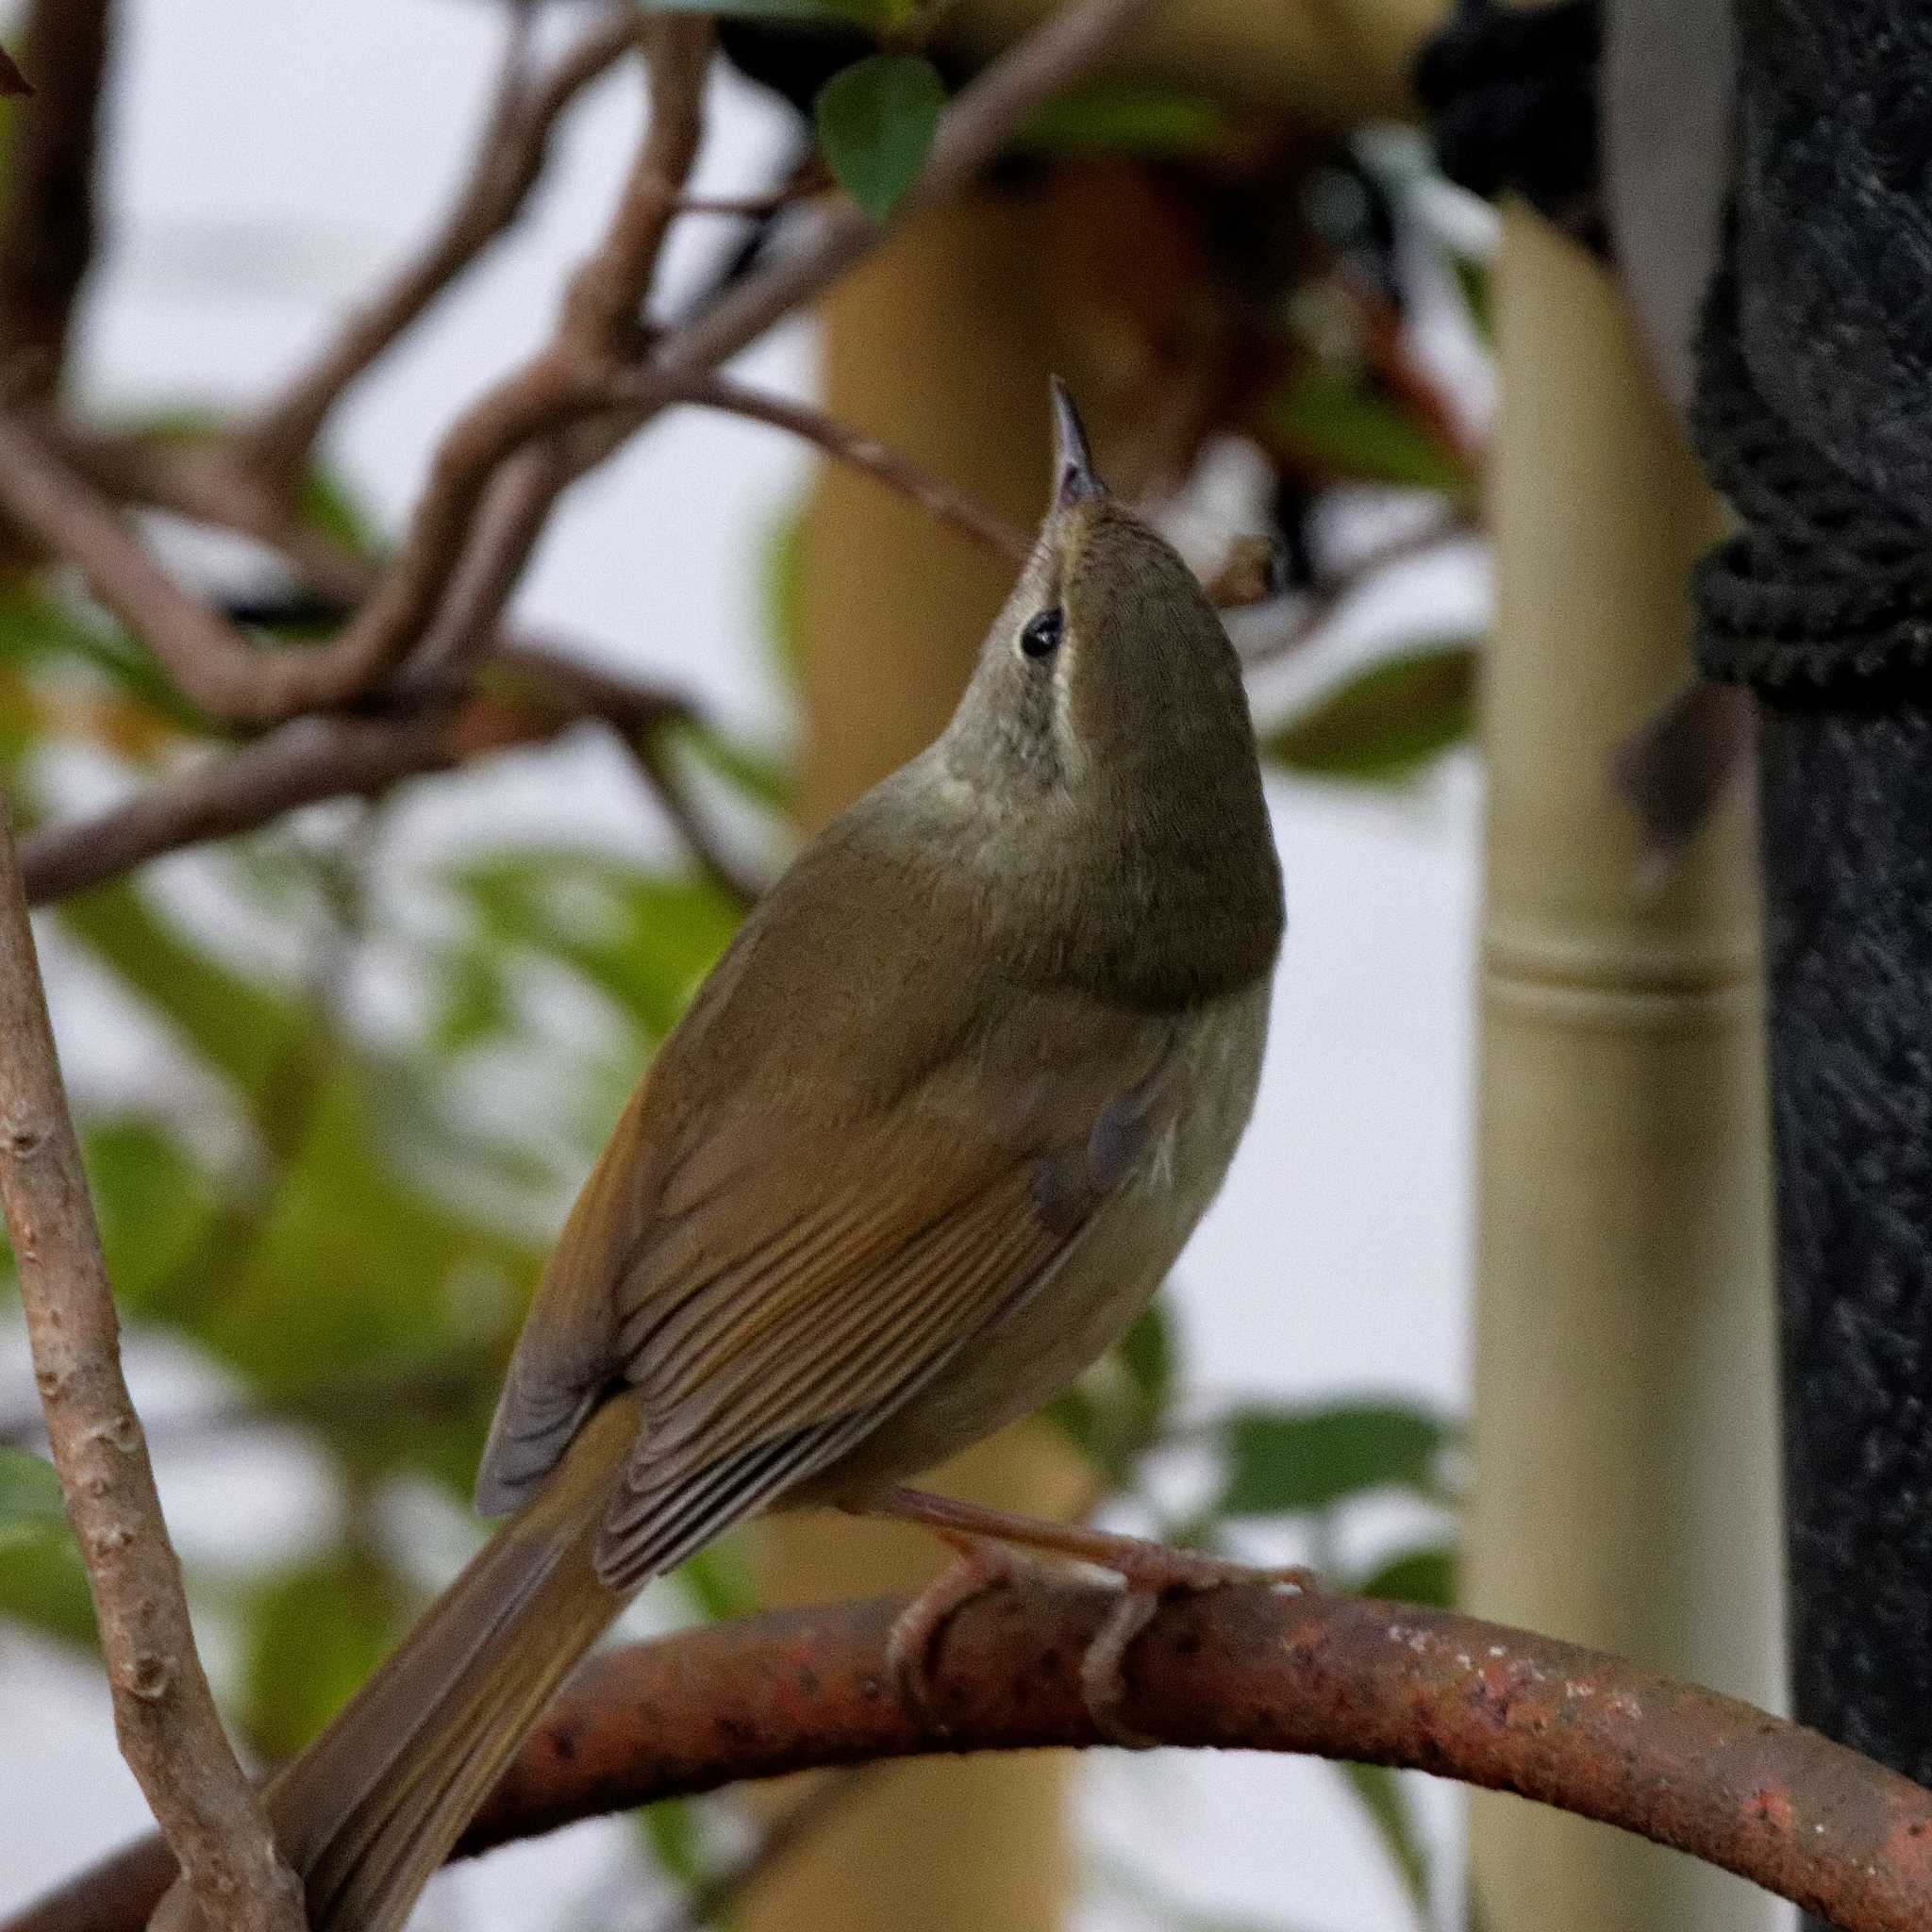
(48, 230)
(511, 156)
(1318, 608)
(558, 388)
(299, 765)
(163, 1715)
(1241, 1667)
(956, 507)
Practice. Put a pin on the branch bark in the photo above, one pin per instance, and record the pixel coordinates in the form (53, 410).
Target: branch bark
(47, 234)
(1239, 1668)
(163, 1715)
(933, 495)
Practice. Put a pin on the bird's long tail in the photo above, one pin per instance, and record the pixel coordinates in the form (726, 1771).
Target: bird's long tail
(370, 1809)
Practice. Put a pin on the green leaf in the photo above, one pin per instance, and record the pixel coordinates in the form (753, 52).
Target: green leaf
(38, 627)
(1147, 1353)
(876, 120)
(1332, 419)
(1123, 117)
(314, 1633)
(1113, 1413)
(1416, 1576)
(1282, 1463)
(671, 1836)
(720, 1582)
(44, 1587)
(1385, 724)
(326, 505)
(30, 1504)
(781, 584)
(1382, 1796)
(1473, 282)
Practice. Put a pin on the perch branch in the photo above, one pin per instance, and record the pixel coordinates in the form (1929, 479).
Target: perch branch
(163, 1715)
(512, 152)
(1235, 1669)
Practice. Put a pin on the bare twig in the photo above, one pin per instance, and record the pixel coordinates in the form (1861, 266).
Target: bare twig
(309, 761)
(984, 526)
(711, 1901)
(213, 663)
(563, 386)
(569, 380)
(1241, 1667)
(301, 763)
(165, 1718)
(1318, 608)
(512, 152)
(48, 229)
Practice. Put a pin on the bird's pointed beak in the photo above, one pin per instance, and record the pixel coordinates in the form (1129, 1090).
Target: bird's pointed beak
(1072, 461)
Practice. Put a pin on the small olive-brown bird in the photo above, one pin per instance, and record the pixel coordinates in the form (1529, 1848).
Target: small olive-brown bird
(925, 1145)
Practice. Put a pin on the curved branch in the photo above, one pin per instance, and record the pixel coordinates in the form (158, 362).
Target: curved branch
(511, 150)
(1237, 1669)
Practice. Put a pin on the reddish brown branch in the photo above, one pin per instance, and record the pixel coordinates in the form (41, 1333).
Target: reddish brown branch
(1236, 1669)
(511, 153)
(846, 445)
(163, 1715)
(48, 231)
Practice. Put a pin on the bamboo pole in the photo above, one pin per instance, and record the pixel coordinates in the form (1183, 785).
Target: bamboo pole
(1625, 1491)
(941, 345)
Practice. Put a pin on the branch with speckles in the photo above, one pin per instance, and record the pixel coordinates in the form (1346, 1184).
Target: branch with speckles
(1243, 1668)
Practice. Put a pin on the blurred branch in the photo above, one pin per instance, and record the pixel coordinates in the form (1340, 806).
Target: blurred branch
(711, 1901)
(1318, 609)
(163, 1715)
(512, 152)
(1242, 1668)
(563, 385)
(216, 665)
(47, 233)
(984, 526)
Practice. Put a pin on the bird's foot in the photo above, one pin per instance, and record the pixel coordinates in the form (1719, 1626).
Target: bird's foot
(987, 1540)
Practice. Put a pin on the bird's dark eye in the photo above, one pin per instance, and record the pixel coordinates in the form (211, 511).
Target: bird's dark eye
(1041, 637)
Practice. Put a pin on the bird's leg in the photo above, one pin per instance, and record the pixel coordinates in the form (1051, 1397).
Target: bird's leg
(986, 1539)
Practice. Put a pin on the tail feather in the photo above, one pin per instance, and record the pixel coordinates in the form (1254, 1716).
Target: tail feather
(370, 1812)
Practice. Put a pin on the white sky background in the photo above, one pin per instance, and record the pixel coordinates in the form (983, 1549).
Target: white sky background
(271, 161)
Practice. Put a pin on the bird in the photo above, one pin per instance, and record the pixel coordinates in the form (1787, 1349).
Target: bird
(923, 1145)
